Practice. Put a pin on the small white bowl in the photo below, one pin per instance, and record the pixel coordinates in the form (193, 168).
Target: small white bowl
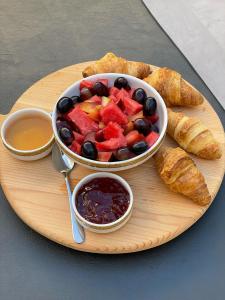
(27, 155)
(118, 165)
(109, 227)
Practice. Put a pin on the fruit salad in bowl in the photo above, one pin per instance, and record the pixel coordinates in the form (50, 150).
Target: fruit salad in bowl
(109, 121)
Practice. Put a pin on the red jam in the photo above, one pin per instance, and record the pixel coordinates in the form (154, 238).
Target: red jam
(102, 200)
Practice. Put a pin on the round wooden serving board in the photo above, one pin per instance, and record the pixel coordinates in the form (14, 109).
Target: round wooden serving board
(37, 193)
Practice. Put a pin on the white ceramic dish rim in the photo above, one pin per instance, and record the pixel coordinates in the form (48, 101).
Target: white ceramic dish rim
(117, 163)
(100, 175)
(17, 113)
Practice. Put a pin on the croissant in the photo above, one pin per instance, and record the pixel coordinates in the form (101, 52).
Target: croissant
(110, 63)
(179, 172)
(173, 88)
(192, 135)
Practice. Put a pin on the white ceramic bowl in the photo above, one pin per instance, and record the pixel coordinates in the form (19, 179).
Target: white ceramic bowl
(109, 227)
(27, 155)
(119, 165)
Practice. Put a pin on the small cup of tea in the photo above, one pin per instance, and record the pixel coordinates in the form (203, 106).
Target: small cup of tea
(27, 134)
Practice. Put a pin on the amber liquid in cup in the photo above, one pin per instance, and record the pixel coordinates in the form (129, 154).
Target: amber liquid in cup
(29, 133)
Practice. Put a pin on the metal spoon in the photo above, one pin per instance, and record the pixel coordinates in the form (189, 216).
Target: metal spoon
(64, 165)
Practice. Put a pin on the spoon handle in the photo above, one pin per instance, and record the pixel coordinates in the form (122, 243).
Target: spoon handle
(77, 229)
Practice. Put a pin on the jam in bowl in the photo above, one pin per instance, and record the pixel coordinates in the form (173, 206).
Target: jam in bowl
(102, 202)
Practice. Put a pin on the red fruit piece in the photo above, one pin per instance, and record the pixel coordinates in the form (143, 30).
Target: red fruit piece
(75, 147)
(131, 91)
(104, 81)
(104, 156)
(112, 113)
(86, 84)
(111, 144)
(113, 98)
(95, 99)
(122, 93)
(112, 130)
(133, 137)
(79, 138)
(82, 121)
(113, 91)
(90, 137)
(152, 138)
(153, 119)
(132, 107)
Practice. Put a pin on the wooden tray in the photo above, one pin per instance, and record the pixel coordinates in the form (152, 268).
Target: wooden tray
(38, 195)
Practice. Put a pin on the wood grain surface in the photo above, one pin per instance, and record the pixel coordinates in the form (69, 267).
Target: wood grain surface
(37, 193)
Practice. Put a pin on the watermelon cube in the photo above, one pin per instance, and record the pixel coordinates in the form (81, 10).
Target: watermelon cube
(133, 137)
(152, 138)
(82, 121)
(112, 130)
(113, 113)
(111, 144)
(79, 138)
(131, 106)
(131, 91)
(75, 147)
(122, 93)
(104, 156)
(86, 84)
(113, 98)
(90, 137)
(113, 91)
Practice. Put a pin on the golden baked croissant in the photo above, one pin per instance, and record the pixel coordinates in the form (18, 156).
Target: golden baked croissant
(173, 88)
(110, 63)
(179, 172)
(192, 135)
